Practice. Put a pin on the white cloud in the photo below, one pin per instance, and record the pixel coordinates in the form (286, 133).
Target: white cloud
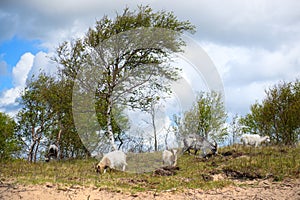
(239, 99)
(42, 63)
(8, 100)
(27, 66)
(248, 72)
(257, 23)
(253, 44)
(9, 96)
(243, 65)
(265, 23)
(20, 71)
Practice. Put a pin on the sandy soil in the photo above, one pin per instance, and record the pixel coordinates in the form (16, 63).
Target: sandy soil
(263, 189)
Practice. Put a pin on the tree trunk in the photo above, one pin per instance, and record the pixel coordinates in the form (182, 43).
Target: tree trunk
(58, 142)
(152, 113)
(36, 148)
(109, 123)
(166, 141)
(121, 142)
(31, 149)
(87, 153)
(30, 153)
(154, 127)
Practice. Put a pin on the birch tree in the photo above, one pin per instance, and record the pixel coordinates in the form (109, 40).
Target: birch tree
(207, 117)
(128, 56)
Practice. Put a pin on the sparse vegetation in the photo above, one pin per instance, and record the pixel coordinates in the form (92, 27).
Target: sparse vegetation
(238, 162)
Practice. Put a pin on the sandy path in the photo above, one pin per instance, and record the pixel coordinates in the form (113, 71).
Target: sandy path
(289, 190)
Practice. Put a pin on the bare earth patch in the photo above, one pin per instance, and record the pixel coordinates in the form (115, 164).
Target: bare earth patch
(262, 189)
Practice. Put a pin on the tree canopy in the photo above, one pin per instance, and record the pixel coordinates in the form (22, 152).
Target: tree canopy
(122, 60)
(9, 143)
(207, 117)
(277, 115)
(46, 118)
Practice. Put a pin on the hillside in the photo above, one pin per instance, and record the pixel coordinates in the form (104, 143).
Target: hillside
(236, 171)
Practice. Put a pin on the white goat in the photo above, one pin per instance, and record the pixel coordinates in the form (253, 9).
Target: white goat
(254, 139)
(52, 152)
(170, 157)
(196, 142)
(112, 160)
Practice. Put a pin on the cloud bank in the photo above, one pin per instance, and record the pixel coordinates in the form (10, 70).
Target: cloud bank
(27, 66)
(254, 44)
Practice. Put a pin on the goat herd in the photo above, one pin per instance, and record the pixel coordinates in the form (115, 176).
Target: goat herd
(117, 159)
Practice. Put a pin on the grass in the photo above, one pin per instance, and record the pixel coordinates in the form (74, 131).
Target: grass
(275, 163)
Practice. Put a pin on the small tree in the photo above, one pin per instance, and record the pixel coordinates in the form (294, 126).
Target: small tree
(235, 129)
(153, 110)
(34, 119)
(9, 143)
(278, 114)
(207, 117)
(46, 115)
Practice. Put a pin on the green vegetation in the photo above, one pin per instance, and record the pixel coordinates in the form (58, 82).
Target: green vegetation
(124, 61)
(244, 163)
(207, 117)
(9, 142)
(277, 115)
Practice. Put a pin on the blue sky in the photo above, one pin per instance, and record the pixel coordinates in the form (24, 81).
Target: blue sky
(11, 51)
(253, 44)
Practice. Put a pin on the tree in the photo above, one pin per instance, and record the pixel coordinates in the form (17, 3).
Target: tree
(153, 111)
(207, 117)
(58, 95)
(46, 115)
(126, 57)
(9, 143)
(278, 114)
(235, 128)
(34, 119)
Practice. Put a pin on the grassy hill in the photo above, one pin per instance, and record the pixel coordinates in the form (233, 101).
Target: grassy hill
(244, 163)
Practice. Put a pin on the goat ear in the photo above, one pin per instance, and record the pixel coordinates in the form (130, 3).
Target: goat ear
(107, 162)
(174, 151)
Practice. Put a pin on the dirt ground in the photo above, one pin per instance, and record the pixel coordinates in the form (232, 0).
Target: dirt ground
(262, 189)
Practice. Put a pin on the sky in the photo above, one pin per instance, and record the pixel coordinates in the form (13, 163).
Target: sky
(254, 44)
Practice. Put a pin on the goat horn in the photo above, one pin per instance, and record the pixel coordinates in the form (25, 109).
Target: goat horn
(216, 144)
